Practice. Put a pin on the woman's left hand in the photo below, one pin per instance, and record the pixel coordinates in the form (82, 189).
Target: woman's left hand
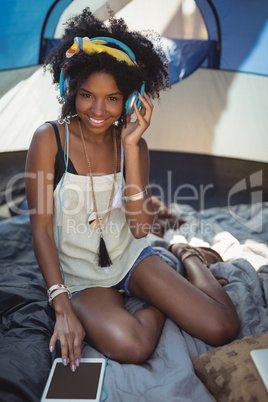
(134, 130)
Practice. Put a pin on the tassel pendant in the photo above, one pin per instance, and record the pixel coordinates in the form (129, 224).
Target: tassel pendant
(104, 258)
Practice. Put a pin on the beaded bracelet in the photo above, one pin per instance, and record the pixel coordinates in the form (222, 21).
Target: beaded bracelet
(136, 197)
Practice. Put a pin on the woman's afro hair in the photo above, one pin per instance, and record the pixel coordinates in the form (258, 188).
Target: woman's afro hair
(151, 65)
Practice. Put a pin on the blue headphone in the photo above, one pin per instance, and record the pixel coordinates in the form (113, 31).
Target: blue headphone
(64, 82)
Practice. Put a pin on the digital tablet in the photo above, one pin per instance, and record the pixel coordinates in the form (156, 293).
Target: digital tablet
(260, 358)
(85, 384)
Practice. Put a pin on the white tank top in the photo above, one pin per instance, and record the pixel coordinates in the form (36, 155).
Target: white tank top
(78, 243)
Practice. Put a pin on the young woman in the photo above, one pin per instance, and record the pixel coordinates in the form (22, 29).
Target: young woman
(90, 207)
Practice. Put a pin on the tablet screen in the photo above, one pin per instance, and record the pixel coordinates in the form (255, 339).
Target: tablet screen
(260, 358)
(84, 383)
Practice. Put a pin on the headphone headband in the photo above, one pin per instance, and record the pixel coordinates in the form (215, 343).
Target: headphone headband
(126, 49)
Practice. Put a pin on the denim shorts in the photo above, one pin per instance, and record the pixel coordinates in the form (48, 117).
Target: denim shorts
(122, 286)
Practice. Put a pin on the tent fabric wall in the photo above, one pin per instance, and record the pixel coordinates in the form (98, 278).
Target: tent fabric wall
(26, 25)
(21, 25)
(212, 111)
(25, 107)
(241, 28)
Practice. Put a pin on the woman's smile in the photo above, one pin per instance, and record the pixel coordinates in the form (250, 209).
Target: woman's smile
(96, 122)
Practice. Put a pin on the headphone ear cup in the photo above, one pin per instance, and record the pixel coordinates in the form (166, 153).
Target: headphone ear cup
(63, 84)
(130, 102)
(134, 98)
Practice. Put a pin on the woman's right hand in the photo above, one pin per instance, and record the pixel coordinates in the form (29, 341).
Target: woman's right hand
(69, 331)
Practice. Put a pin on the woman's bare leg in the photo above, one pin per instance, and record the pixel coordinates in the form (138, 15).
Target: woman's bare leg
(115, 332)
(201, 307)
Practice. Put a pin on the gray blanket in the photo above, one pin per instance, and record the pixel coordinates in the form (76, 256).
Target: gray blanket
(240, 235)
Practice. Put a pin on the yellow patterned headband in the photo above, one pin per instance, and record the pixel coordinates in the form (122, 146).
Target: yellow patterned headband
(97, 45)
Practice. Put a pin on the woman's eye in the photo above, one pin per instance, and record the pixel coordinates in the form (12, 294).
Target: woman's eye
(87, 96)
(112, 98)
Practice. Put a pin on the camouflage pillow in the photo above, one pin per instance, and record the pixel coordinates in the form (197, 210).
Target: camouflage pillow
(229, 373)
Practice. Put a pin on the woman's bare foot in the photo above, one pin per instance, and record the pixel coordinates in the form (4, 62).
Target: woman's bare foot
(180, 250)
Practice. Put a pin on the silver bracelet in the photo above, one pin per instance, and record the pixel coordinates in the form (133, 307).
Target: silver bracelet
(136, 197)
